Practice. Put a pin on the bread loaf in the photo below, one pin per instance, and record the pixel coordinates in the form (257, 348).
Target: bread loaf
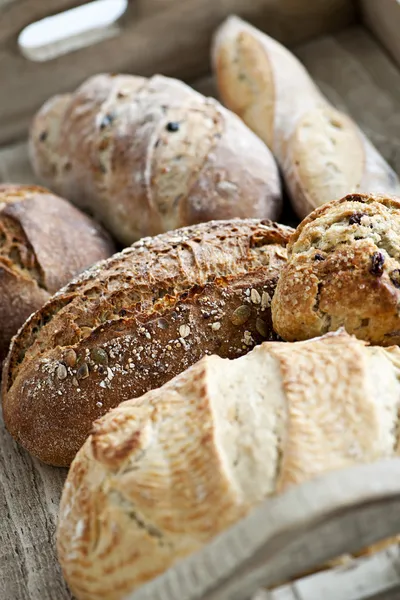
(44, 242)
(161, 475)
(149, 155)
(343, 270)
(133, 322)
(322, 153)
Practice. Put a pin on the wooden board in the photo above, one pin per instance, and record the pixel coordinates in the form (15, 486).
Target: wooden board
(288, 535)
(383, 19)
(350, 67)
(185, 29)
(356, 74)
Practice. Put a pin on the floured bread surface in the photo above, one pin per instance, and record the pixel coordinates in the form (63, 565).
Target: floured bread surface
(149, 155)
(161, 475)
(135, 321)
(343, 271)
(333, 164)
(321, 152)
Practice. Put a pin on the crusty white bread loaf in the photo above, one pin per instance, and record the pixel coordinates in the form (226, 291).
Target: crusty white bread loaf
(44, 242)
(322, 153)
(133, 322)
(161, 475)
(343, 270)
(149, 155)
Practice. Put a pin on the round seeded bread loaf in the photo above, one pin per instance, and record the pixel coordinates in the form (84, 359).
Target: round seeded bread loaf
(44, 242)
(163, 474)
(149, 155)
(133, 322)
(343, 270)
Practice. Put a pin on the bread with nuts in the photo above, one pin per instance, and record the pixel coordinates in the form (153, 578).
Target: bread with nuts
(321, 151)
(44, 242)
(161, 475)
(343, 270)
(133, 322)
(149, 155)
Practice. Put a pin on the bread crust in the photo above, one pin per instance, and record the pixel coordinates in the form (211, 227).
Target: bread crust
(149, 155)
(131, 323)
(163, 474)
(321, 151)
(343, 271)
(44, 242)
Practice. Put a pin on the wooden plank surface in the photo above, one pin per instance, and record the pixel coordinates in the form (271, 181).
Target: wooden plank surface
(357, 75)
(185, 29)
(29, 498)
(350, 67)
(383, 19)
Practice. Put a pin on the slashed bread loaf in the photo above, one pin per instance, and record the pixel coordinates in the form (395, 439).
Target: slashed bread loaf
(44, 242)
(161, 475)
(131, 323)
(149, 155)
(322, 153)
(343, 270)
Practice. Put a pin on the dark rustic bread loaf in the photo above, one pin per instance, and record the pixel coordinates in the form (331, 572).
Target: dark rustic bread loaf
(150, 155)
(343, 270)
(131, 323)
(44, 242)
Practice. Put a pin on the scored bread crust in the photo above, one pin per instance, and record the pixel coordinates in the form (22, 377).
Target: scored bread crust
(343, 270)
(44, 242)
(321, 151)
(131, 323)
(149, 155)
(163, 474)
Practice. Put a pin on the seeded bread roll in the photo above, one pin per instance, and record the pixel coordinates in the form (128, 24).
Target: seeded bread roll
(322, 153)
(133, 322)
(343, 270)
(163, 474)
(44, 242)
(149, 155)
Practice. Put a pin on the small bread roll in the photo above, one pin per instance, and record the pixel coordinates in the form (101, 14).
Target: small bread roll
(321, 151)
(44, 242)
(343, 270)
(149, 155)
(161, 475)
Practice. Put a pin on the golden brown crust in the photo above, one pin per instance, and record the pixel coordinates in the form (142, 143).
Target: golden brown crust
(148, 312)
(163, 474)
(343, 271)
(44, 242)
(321, 152)
(243, 72)
(149, 155)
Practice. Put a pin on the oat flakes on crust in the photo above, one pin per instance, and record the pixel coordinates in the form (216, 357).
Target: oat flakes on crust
(133, 322)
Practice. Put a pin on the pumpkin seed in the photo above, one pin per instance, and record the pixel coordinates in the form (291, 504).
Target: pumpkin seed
(241, 315)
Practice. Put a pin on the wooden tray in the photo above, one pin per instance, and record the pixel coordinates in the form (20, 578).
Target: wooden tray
(353, 52)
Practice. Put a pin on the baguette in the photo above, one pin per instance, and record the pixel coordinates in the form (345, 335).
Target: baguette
(150, 155)
(163, 474)
(323, 155)
(343, 271)
(131, 323)
(44, 242)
